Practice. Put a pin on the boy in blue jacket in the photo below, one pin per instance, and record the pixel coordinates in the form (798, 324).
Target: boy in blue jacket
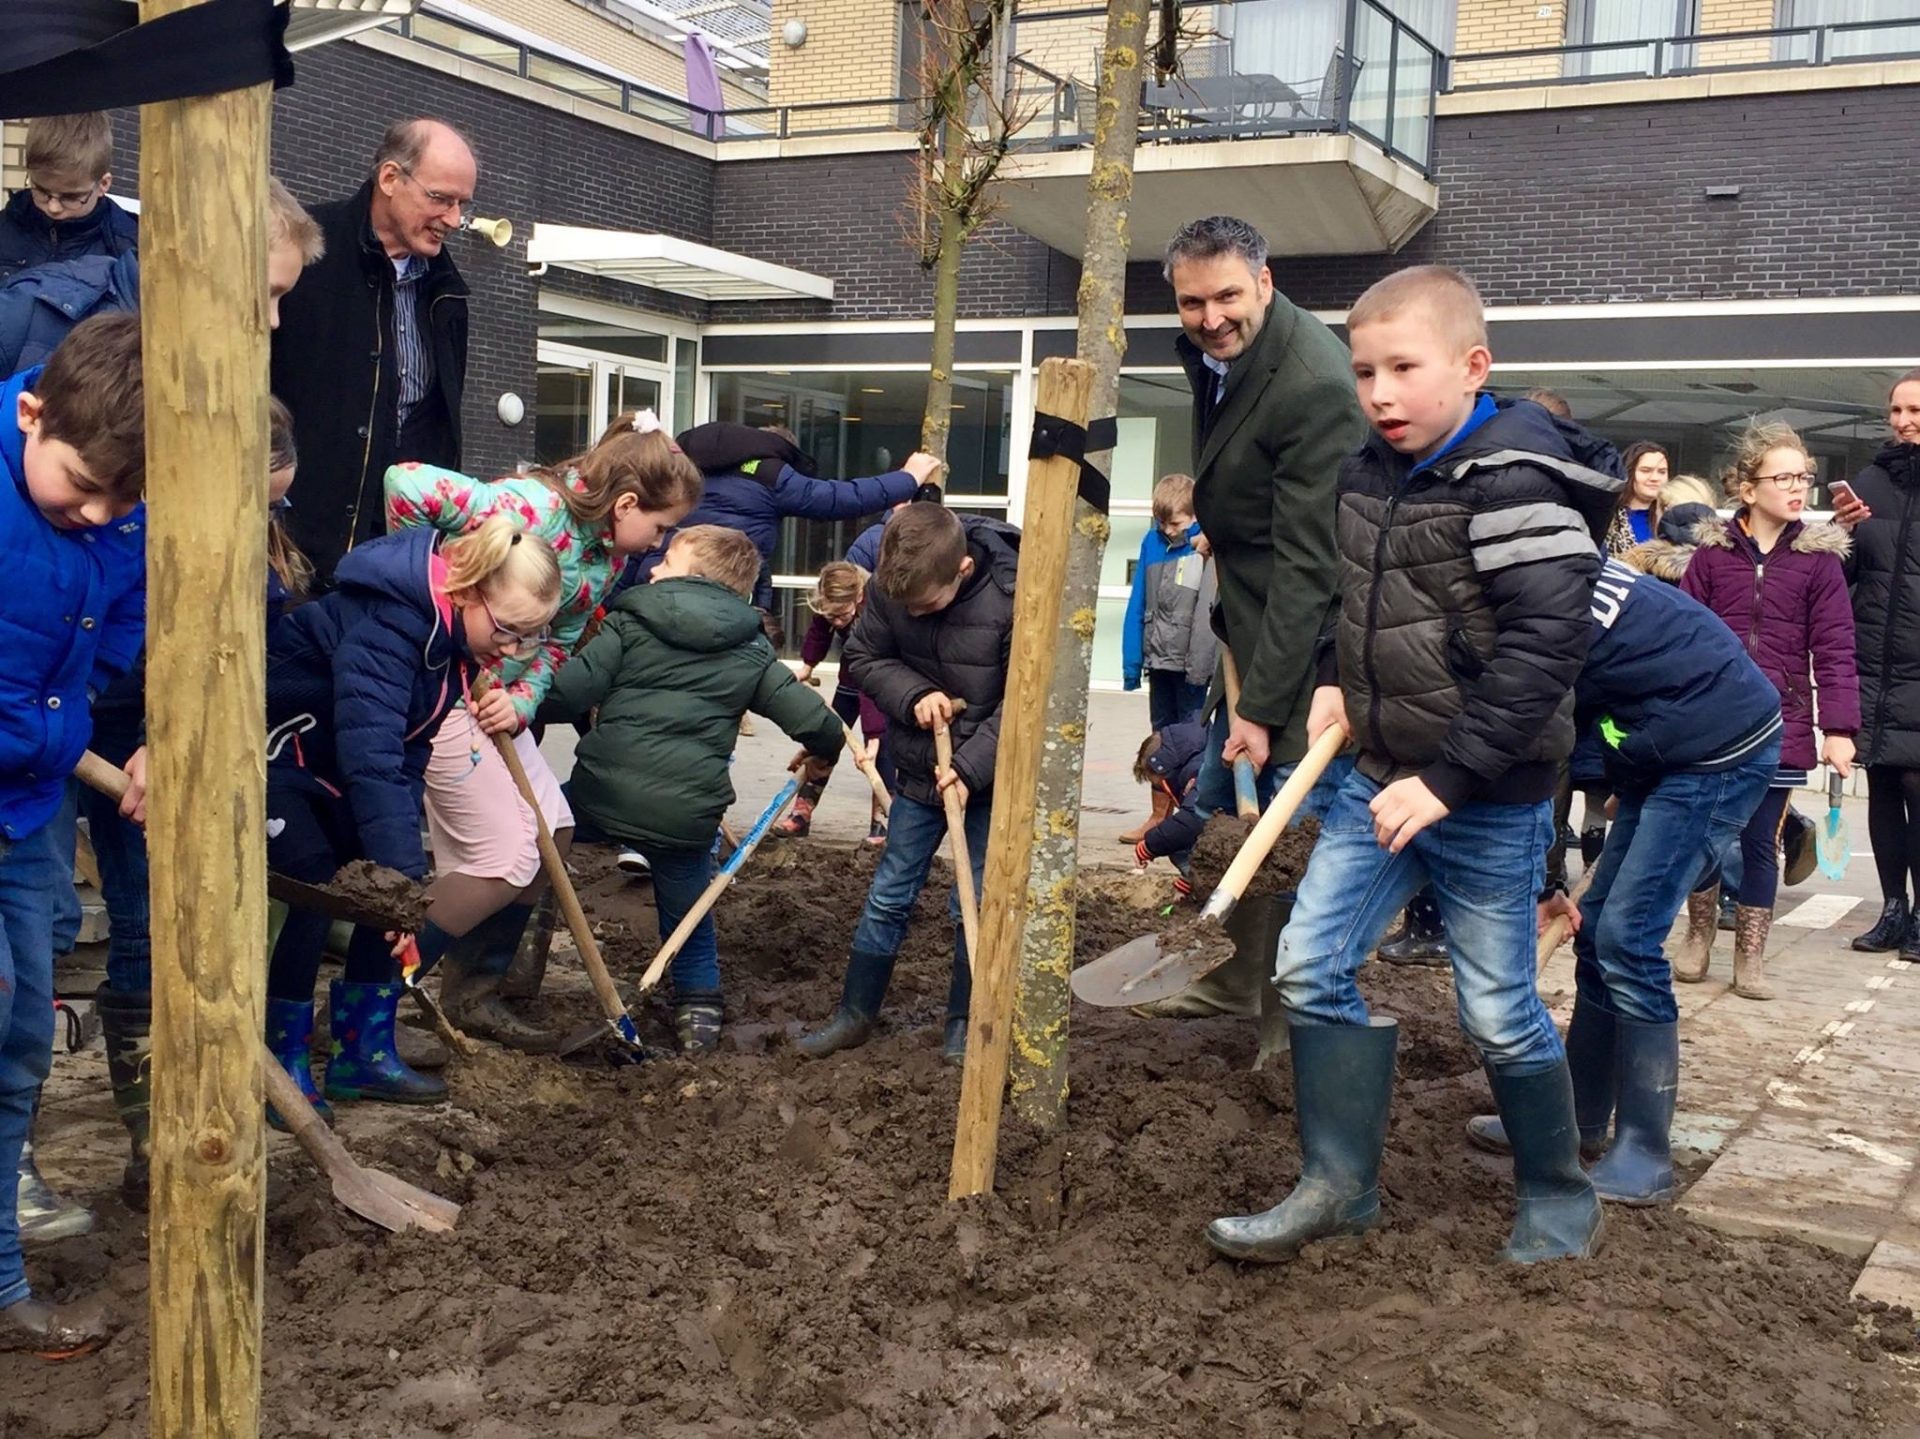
(73, 615)
(1690, 733)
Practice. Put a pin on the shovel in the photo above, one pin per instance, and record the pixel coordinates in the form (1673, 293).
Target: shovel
(769, 817)
(1159, 966)
(1555, 934)
(1246, 793)
(868, 768)
(1835, 844)
(957, 837)
(386, 1199)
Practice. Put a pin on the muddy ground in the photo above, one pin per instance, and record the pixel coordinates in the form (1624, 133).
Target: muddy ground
(758, 1245)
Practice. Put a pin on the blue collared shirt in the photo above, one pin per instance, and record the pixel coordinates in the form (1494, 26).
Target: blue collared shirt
(413, 354)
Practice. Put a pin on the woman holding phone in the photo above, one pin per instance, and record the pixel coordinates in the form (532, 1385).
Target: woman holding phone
(1882, 508)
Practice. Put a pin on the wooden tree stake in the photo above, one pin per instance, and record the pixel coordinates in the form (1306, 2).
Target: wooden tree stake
(203, 263)
(1046, 534)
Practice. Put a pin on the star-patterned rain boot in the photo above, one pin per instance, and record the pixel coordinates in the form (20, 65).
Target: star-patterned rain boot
(365, 1064)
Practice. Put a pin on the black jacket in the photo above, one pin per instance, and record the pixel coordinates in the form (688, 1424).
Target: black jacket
(895, 659)
(29, 238)
(334, 368)
(1885, 572)
(1465, 584)
(1175, 766)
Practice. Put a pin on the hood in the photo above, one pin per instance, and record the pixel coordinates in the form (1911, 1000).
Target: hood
(995, 542)
(1521, 432)
(722, 446)
(1676, 524)
(1179, 743)
(693, 614)
(407, 569)
(1663, 559)
(1824, 538)
(13, 444)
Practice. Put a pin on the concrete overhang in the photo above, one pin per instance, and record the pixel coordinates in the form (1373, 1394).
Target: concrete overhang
(1308, 194)
(677, 266)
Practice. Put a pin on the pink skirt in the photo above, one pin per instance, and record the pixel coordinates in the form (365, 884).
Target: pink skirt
(478, 822)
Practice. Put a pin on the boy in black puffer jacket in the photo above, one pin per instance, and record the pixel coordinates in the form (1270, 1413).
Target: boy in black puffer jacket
(938, 626)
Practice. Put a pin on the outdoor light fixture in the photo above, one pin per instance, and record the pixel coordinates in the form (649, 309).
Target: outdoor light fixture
(510, 408)
(498, 231)
(794, 32)
(1723, 192)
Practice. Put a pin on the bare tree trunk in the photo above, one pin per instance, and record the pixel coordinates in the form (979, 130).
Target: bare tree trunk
(937, 423)
(1041, 996)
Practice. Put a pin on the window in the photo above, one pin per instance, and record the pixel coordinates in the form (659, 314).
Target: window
(1893, 28)
(1617, 23)
(592, 369)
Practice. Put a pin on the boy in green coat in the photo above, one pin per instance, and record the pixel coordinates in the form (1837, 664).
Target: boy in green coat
(677, 663)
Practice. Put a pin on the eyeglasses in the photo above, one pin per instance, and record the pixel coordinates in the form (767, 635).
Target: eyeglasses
(1790, 480)
(66, 199)
(439, 199)
(503, 636)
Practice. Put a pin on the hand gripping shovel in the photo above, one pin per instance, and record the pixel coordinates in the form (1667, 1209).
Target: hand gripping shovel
(1246, 792)
(868, 768)
(717, 886)
(1159, 966)
(1835, 845)
(957, 837)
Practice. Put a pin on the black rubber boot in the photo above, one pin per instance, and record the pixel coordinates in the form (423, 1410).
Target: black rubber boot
(1423, 939)
(697, 1018)
(1558, 1214)
(528, 971)
(1638, 1169)
(126, 1024)
(1887, 931)
(954, 1048)
(54, 1331)
(851, 1026)
(471, 977)
(1342, 1085)
(1591, 1047)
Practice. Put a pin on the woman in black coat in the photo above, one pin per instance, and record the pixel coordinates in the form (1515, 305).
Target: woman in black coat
(1884, 569)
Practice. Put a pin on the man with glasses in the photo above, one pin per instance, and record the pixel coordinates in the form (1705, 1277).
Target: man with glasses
(64, 213)
(371, 353)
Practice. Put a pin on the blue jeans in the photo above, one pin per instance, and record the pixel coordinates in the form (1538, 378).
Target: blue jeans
(1485, 863)
(67, 917)
(121, 847)
(1657, 848)
(914, 832)
(1213, 789)
(33, 871)
(679, 877)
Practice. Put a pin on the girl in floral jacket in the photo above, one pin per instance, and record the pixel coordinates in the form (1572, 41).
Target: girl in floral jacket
(594, 511)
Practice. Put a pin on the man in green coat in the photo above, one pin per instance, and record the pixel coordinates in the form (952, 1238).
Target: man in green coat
(1274, 413)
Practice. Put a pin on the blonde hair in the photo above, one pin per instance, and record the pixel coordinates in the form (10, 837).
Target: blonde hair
(1172, 495)
(1685, 490)
(841, 586)
(1756, 442)
(625, 461)
(1450, 300)
(499, 554)
(720, 554)
(70, 144)
(288, 223)
(283, 555)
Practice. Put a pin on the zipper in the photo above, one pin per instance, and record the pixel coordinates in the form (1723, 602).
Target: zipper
(1893, 602)
(1373, 618)
(1753, 624)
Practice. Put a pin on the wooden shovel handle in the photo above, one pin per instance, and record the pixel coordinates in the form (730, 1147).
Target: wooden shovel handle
(297, 1113)
(1246, 791)
(1266, 834)
(95, 773)
(957, 836)
(869, 769)
(1555, 933)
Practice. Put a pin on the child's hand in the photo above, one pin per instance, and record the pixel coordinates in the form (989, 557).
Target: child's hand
(869, 754)
(1402, 810)
(494, 713)
(402, 943)
(133, 804)
(1329, 707)
(1836, 750)
(933, 711)
(1559, 906)
(951, 781)
(803, 672)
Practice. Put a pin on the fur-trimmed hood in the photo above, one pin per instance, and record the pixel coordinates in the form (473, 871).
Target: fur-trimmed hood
(1663, 559)
(1825, 538)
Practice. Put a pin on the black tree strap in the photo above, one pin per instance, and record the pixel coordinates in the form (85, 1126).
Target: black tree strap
(100, 58)
(1055, 438)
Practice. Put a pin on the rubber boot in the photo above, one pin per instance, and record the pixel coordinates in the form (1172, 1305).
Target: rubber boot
(1423, 939)
(1558, 1215)
(1703, 926)
(44, 1216)
(1591, 1048)
(1638, 1169)
(1887, 931)
(470, 984)
(1342, 1085)
(364, 1063)
(126, 1023)
(528, 972)
(1254, 927)
(697, 1017)
(851, 1026)
(799, 821)
(1727, 907)
(1751, 925)
(290, 1039)
(1233, 989)
(953, 1048)
(54, 1331)
(1162, 807)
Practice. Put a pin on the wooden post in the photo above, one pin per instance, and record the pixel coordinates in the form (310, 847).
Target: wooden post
(203, 191)
(1046, 534)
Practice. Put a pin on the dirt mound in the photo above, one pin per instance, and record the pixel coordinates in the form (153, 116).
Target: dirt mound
(761, 1245)
(1280, 873)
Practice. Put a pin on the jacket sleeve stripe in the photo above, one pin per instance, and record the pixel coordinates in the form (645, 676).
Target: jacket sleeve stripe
(1539, 515)
(1528, 549)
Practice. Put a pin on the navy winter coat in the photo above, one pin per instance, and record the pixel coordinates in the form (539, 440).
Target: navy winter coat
(73, 615)
(39, 306)
(357, 683)
(1885, 570)
(1175, 767)
(29, 238)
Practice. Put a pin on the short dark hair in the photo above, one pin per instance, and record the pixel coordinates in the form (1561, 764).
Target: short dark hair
(406, 141)
(1213, 237)
(1552, 401)
(91, 396)
(920, 550)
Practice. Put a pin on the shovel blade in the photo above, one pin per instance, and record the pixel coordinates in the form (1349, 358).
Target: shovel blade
(1138, 972)
(1835, 848)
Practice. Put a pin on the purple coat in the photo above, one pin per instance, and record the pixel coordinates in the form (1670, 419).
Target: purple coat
(1790, 606)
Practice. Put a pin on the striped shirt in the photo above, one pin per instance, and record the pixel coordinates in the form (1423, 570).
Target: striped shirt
(413, 354)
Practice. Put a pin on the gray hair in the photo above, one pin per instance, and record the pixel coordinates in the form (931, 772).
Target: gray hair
(1213, 237)
(406, 141)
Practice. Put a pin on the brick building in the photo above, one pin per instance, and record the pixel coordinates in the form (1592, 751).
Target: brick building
(1681, 212)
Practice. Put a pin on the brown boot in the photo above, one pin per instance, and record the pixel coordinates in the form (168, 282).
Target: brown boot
(1162, 807)
(1703, 921)
(1750, 926)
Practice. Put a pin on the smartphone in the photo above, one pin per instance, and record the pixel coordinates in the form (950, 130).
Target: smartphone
(1840, 490)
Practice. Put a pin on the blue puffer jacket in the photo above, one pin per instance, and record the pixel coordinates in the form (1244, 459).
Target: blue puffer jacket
(73, 616)
(1175, 766)
(357, 683)
(38, 306)
(28, 237)
(865, 549)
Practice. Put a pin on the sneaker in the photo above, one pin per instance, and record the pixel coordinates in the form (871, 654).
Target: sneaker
(634, 863)
(1727, 907)
(44, 1215)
